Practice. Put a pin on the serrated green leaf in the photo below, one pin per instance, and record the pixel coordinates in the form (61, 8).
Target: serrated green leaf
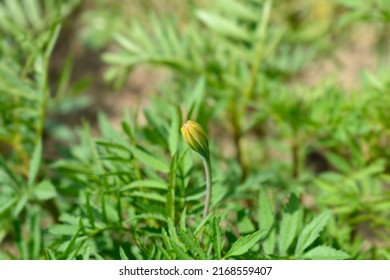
(311, 232)
(325, 253)
(181, 255)
(245, 243)
(172, 230)
(266, 221)
(289, 224)
(216, 237)
(202, 224)
(191, 244)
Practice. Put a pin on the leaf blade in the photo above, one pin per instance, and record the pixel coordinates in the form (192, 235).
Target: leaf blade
(267, 221)
(311, 232)
(289, 224)
(326, 253)
(35, 163)
(244, 243)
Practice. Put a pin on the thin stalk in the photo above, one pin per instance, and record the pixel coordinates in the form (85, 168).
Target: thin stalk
(207, 171)
(240, 109)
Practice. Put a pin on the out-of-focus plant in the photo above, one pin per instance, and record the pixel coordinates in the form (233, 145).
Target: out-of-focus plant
(28, 31)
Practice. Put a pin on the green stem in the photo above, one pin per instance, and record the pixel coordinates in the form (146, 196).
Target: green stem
(239, 109)
(207, 170)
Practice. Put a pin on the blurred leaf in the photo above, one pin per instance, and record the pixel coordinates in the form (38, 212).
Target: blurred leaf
(35, 218)
(7, 204)
(63, 229)
(9, 172)
(50, 255)
(267, 221)
(196, 98)
(174, 131)
(141, 184)
(171, 194)
(20, 204)
(122, 254)
(236, 9)
(150, 196)
(44, 190)
(150, 160)
(127, 44)
(35, 163)
(223, 26)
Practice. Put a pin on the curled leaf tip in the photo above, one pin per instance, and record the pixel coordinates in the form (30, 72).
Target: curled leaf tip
(196, 138)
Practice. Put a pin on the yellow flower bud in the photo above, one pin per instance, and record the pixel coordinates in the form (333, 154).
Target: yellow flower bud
(196, 138)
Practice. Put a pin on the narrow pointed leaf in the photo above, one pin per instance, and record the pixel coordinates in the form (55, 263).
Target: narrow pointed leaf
(289, 224)
(245, 243)
(311, 232)
(266, 221)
